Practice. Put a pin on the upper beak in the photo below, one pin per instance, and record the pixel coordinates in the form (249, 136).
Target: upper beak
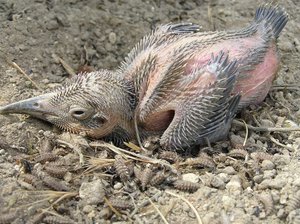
(37, 106)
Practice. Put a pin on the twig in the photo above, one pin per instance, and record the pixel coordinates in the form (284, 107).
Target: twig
(291, 149)
(285, 87)
(67, 195)
(111, 207)
(189, 203)
(265, 129)
(134, 147)
(16, 66)
(247, 132)
(144, 203)
(51, 213)
(75, 147)
(133, 155)
(210, 17)
(157, 210)
(66, 66)
(137, 133)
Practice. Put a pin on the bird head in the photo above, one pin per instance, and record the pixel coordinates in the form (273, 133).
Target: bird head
(95, 104)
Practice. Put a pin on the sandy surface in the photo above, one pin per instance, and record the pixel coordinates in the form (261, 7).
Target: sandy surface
(233, 186)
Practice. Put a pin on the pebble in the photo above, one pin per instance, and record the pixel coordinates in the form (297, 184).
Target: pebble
(285, 45)
(2, 151)
(228, 202)
(118, 186)
(28, 84)
(296, 182)
(108, 46)
(294, 216)
(258, 179)
(105, 213)
(92, 192)
(281, 160)
(91, 215)
(277, 183)
(191, 177)
(281, 213)
(87, 209)
(68, 177)
(283, 197)
(162, 200)
(229, 170)
(267, 165)
(209, 217)
(234, 185)
(112, 37)
(217, 182)
(269, 174)
(52, 25)
(45, 81)
(225, 177)
(205, 193)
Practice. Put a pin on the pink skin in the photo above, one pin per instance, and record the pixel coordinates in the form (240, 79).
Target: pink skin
(257, 82)
(253, 85)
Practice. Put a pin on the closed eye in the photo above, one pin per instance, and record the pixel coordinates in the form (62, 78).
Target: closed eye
(80, 113)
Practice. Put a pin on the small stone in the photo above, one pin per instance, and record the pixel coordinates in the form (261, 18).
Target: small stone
(294, 216)
(296, 182)
(205, 193)
(209, 217)
(92, 192)
(281, 213)
(112, 37)
(234, 186)
(283, 197)
(12, 80)
(190, 177)
(258, 179)
(2, 151)
(162, 200)
(45, 81)
(225, 177)
(273, 184)
(118, 186)
(285, 45)
(28, 83)
(269, 174)
(278, 183)
(91, 215)
(52, 25)
(87, 209)
(228, 202)
(267, 165)
(267, 123)
(229, 170)
(108, 47)
(281, 160)
(105, 213)
(217, 182)
(68, 177)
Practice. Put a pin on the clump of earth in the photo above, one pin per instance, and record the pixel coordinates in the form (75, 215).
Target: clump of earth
(48, 176)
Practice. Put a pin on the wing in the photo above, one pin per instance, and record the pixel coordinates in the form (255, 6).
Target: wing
(140, 62)
(202, 103)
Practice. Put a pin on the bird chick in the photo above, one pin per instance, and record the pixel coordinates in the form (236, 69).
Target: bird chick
(178, 82)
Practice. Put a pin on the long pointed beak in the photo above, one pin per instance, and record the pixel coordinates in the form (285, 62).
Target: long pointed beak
(36, 106)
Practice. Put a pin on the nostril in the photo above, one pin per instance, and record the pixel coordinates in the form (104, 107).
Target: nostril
(36, 104)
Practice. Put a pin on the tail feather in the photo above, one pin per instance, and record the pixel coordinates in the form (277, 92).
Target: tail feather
(273, 18)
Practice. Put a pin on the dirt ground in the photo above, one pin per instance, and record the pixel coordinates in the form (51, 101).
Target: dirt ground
(232, 183)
